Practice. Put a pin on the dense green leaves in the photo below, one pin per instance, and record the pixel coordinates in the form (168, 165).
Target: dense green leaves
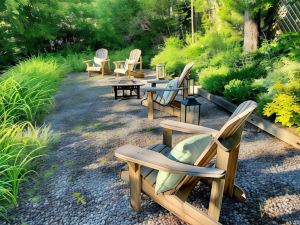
(29, 27)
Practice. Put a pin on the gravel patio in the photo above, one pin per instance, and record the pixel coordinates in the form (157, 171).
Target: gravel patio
(78, 181)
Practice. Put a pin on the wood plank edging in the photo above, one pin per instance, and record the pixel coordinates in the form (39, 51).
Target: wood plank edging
(283, 133)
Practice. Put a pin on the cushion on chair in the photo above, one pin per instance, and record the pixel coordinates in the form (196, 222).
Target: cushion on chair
(186, 151)
(97, 62)
(120, 70)
(168, 95)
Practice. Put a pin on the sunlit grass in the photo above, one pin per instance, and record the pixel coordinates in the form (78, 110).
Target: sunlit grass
(27, 91)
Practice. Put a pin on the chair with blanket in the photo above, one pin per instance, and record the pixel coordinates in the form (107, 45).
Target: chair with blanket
(98, 63)
(164, 99)
(128, 67)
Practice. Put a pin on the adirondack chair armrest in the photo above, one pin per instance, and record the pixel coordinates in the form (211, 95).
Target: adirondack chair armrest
(119, 62)
(158, 161)
(158, 81)
(154, 89)
(87, 62)
(187, 128)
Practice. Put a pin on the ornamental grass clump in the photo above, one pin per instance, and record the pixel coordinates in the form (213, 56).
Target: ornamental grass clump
(20, 146)
(26, 92)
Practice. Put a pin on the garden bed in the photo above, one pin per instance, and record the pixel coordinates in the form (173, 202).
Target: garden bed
(285, 134)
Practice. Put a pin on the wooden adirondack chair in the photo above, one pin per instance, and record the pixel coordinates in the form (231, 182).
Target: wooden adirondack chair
(143, 165)
(164, 99)
(128, 67)
(98, 63)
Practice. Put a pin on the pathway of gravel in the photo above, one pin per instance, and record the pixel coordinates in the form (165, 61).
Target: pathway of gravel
(78, 181)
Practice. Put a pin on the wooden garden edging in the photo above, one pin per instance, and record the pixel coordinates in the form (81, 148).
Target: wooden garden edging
(285, 134)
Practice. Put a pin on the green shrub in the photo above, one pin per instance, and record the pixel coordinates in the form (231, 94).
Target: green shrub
(213, 79)
(26, 92)
(286, 109)
(237, 90)
(263, 99)
(285, 78)
(171, 56)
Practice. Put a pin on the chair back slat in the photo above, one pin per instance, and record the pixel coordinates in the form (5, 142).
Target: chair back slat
(135, 55)
(185, 73)
(237, 119)
(102, 53)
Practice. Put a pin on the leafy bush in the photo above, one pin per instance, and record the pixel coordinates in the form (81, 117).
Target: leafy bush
(247, 73)
(213, 79)
(286, 109)
(237, 90)
(170, 55)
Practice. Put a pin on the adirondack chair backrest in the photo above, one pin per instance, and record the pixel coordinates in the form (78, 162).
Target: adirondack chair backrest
(135, 55)
(237, 119)
(102, 53)
(229, 135)
(186, 71)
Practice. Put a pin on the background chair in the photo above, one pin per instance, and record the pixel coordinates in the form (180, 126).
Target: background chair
(128, 67)
(164, 99)
(98, 63)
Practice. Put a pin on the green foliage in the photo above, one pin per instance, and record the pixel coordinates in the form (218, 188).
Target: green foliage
(42, 26)
(26, 92)
(20, 146)
(286, 108)
(79, 198)
(237, 90)
(214, 79)
(285, 78)
(170, 55)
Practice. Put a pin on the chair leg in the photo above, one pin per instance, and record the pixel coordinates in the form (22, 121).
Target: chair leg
(102, 68)
(231, 171)
(216, 198)
(135, 186)
(150, 105)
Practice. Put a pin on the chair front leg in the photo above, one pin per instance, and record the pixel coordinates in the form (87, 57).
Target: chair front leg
(150, 105)
(141, 65)
(129, 71)
(216, 198)
(102, 68)
(135, 186)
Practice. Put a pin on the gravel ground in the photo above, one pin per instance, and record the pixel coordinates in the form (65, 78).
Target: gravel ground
(78, 183)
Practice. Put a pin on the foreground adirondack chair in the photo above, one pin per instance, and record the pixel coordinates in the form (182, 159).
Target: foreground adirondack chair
(128, 67)
(98, 63)
(143, 165)
(165, 99)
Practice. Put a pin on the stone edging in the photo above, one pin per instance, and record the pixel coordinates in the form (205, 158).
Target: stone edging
(285, 134)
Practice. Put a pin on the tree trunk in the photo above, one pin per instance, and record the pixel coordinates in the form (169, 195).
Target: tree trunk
(251, 33)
